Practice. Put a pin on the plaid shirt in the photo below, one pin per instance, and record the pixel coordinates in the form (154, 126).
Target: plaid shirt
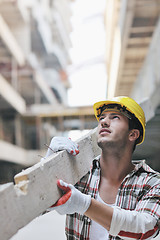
(139, 191)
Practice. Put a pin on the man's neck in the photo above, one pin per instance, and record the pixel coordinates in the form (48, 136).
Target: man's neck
(114, 166)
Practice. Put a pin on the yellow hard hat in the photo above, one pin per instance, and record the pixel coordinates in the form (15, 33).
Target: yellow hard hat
(127, 104)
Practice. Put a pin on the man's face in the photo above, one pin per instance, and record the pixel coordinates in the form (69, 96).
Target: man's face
(113, 129)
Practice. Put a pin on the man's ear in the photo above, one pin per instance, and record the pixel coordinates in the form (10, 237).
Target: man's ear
(134, 135)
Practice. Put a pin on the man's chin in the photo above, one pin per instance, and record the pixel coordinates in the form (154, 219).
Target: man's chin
(103, 143)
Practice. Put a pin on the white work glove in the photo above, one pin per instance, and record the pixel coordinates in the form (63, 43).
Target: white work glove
(72, 201)
(62, 143)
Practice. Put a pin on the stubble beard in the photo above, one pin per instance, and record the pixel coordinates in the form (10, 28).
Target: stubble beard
(115, 146)
(106, 145)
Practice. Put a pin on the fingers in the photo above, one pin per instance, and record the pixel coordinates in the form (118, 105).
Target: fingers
(65, 187)
(63, 143)
(70, 146)
(74, 152)
(63, 199)
(74, 148)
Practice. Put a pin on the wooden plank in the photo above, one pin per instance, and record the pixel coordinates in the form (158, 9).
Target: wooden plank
(36, 188)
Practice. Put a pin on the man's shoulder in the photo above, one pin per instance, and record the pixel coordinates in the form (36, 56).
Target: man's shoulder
(142, 164)
(144, 170)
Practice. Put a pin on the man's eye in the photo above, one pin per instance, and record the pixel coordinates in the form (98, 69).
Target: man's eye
(116, 116)
(101, 118)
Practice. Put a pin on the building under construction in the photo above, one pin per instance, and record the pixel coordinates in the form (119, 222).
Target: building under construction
(34, 44)
(34, 55)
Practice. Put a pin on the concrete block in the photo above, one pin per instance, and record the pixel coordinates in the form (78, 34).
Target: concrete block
(36, 189)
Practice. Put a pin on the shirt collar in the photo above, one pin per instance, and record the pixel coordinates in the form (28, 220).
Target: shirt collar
(96, 162)
(142, 164)
(138, 164)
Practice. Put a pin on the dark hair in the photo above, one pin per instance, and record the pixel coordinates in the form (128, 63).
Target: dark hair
(112, 106)
(135, 124)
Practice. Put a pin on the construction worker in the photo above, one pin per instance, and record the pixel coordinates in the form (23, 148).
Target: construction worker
(117, 199)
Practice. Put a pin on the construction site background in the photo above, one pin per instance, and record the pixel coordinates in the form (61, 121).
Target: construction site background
(34, 57)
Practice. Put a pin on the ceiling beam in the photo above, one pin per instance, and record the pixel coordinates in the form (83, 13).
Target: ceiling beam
(141, 29)
(132, 52)
(10, 42)
(11, 96)
(139, 40)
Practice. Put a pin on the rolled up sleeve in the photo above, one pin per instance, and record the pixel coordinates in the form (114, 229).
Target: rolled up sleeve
(133, 224)
(142, 222)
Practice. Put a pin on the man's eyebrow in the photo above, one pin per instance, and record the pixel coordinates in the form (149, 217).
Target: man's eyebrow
(116, 113)
(113, 113)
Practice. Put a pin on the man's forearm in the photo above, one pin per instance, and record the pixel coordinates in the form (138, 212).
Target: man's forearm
(100, 213)
(133, 224)
(122, 223)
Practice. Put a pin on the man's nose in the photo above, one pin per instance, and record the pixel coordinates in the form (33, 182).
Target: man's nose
(105, 121)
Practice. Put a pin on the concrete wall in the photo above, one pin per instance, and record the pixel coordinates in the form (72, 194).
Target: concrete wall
(148, 81)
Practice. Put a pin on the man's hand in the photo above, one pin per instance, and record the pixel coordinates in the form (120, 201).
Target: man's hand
(72, 201)
(62, 143)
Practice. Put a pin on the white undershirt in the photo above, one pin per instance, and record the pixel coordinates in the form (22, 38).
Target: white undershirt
(97, 232)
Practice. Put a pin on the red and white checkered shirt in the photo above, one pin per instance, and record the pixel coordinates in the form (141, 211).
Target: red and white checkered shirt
(137, 207)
